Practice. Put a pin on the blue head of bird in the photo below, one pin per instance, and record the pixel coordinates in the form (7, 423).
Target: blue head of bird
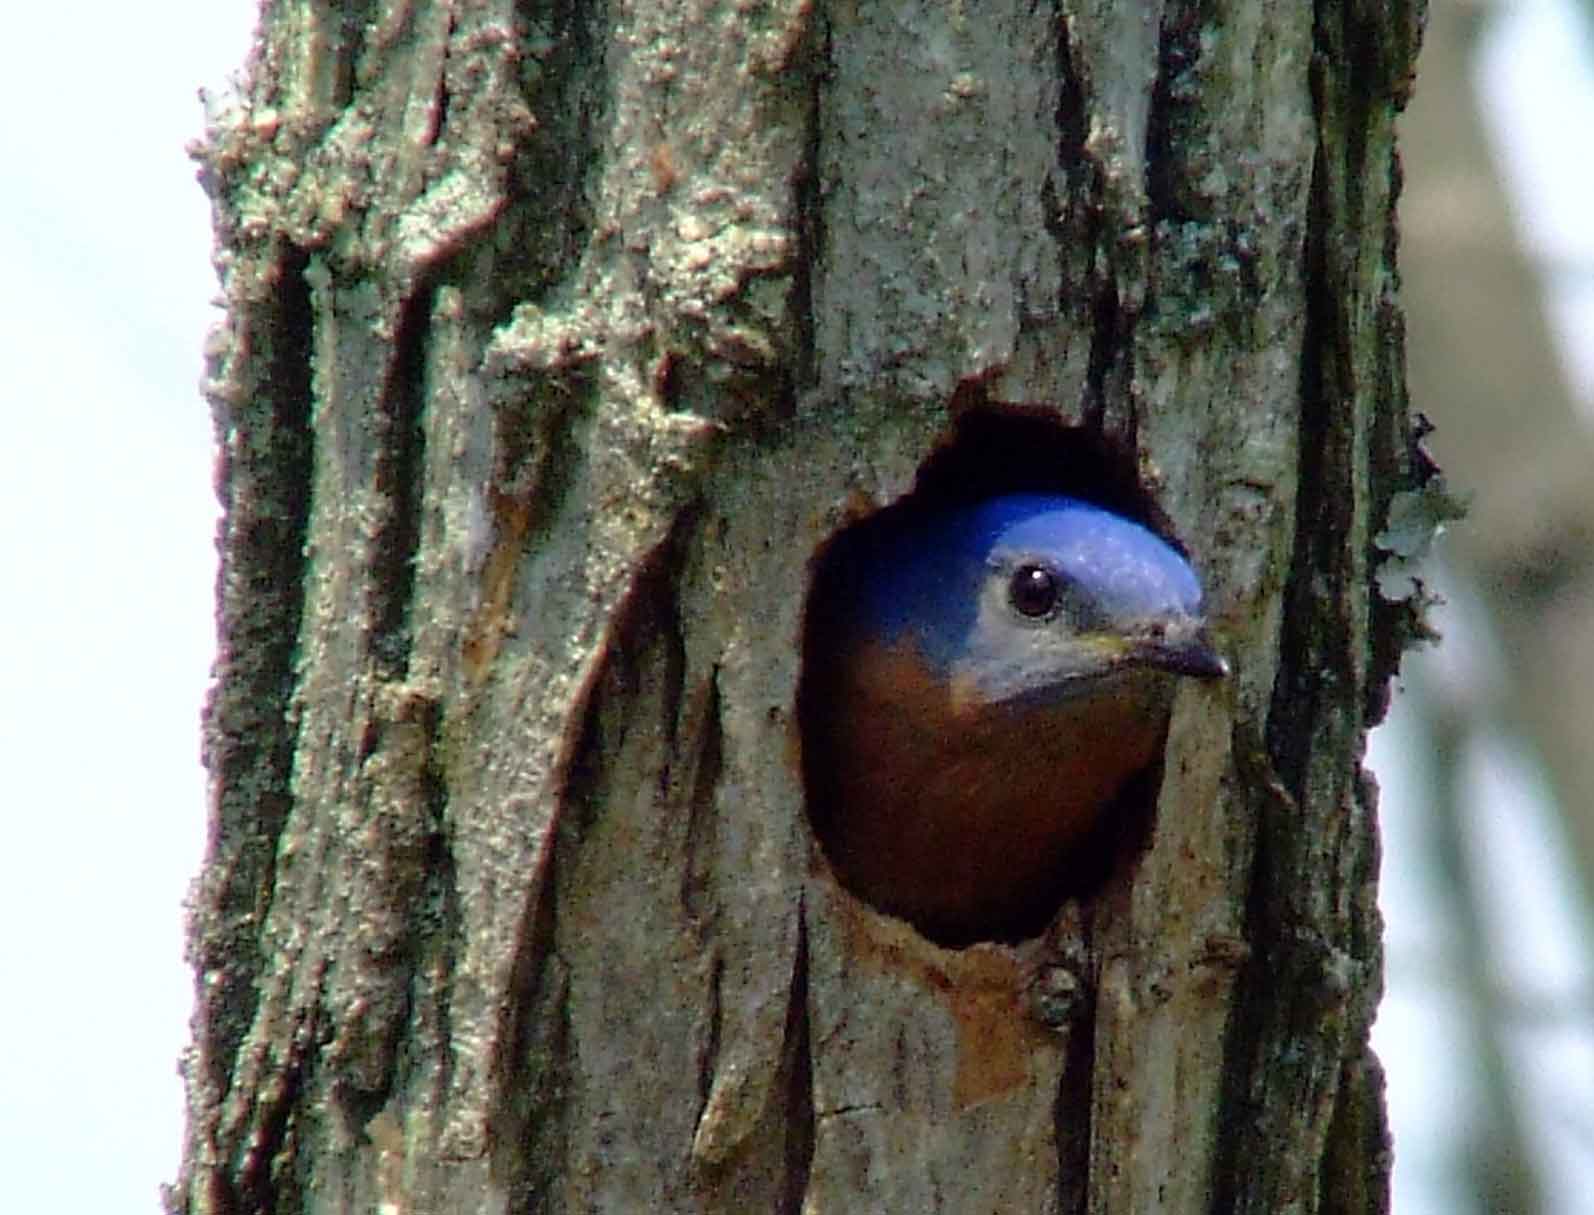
(1029, 597)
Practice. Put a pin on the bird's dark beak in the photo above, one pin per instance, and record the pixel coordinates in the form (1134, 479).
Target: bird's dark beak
(1192, 656)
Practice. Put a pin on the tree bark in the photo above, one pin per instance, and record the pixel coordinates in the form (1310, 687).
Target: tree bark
(559, 339)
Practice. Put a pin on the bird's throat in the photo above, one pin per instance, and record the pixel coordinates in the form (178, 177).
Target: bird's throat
(957, 816)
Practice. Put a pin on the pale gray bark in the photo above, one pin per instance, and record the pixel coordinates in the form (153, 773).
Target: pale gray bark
(560, 338)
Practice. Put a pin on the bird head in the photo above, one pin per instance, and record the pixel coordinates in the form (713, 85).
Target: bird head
(1030, 597)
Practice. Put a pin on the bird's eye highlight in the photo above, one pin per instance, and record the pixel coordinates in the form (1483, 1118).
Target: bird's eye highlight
(1033, 591)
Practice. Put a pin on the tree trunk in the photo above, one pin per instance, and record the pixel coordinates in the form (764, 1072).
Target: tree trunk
(560, 338)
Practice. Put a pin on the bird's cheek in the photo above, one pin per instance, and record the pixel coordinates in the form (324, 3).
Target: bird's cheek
(964, 696)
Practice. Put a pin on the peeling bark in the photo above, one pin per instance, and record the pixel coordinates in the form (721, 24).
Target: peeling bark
(560, 338)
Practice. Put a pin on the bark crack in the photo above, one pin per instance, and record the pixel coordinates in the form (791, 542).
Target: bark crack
(251, 728)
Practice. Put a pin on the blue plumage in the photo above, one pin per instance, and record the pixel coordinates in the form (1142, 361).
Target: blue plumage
(927, 583)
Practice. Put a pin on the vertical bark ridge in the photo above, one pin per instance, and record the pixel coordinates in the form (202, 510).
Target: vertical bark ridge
(1311, 993)
(259, 387)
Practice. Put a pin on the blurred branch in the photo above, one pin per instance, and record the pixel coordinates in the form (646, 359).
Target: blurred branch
(1496, 1156)
(1485, 369)
(1525, 1010)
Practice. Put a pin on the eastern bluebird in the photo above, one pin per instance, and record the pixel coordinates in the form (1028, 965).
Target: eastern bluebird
(980, 685)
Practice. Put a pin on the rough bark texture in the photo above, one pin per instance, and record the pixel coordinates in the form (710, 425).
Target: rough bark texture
(560, 338)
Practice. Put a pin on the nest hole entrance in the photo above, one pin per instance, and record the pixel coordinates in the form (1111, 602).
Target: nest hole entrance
(989, 452)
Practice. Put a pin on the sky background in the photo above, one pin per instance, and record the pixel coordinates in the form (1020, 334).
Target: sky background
(106, 628)
(105, 624)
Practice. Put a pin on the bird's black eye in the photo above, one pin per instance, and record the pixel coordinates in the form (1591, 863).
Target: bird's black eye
(1033, 590)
